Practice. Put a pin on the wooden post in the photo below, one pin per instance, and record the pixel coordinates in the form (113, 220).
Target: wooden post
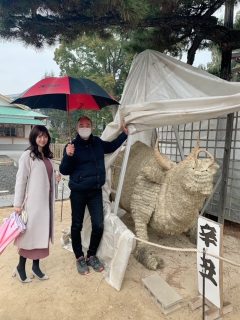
(226, 74)
(203, 279)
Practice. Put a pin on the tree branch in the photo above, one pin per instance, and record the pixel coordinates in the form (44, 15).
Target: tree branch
(192, 51)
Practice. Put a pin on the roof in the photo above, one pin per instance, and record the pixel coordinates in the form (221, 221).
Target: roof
(8, 101)
(16, 112)
(15, 115)
(20, 121)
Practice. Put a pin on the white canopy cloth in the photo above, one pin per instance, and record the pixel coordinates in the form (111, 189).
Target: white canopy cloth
(159, 90)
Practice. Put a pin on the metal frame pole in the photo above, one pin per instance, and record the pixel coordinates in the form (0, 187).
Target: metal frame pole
(122, 173)
(178, 142)
(62, 198)
(225, 168)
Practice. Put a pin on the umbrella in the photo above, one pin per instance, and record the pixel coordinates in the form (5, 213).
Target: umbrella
(10, 230)
(66, 93)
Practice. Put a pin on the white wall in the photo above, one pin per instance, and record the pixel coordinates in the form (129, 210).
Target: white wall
(13, 140)
(27, 130)
(19, 140)
(5, 140)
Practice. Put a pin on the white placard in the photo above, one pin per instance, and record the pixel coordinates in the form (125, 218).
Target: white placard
(209, 236)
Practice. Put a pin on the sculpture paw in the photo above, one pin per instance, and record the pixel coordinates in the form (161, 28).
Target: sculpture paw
(148, 258)
(192, 234)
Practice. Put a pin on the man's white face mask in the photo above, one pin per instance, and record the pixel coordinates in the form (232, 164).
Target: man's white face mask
(84, 132)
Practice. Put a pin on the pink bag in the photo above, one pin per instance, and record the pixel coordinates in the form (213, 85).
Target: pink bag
(10, 230)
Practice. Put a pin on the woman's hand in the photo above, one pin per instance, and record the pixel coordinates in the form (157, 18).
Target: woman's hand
(18, 210)
(58, 176)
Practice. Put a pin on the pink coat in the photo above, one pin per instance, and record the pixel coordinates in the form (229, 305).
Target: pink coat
(32, 178)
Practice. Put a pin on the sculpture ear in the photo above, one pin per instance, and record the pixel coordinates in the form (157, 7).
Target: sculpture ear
(194, 152)
(193, 155)
(208, 154)
(162, 160)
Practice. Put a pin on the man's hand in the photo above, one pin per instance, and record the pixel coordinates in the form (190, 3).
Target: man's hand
(123, 127)
(70, 149)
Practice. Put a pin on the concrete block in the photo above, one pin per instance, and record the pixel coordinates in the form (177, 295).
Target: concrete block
(168, 299)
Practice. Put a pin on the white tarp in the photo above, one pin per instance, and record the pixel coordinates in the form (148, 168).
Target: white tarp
(159, 90)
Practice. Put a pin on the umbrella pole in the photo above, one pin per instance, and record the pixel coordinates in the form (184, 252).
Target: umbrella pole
(69, 126)
(68, 119)
(62, 198)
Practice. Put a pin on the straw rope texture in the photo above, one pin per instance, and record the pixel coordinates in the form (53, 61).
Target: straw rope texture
(162, 194)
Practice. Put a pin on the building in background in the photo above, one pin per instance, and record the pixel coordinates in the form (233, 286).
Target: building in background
(16, 122)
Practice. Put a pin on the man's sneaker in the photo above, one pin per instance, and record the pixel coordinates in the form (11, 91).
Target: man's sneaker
(94, 262)
(82, 266)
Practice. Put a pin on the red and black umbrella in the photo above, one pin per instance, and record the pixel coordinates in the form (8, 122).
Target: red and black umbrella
(66, 93)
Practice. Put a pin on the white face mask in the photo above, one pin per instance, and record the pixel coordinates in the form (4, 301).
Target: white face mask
(84, 133)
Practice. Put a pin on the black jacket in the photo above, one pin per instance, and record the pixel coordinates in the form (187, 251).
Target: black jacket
(86, 167)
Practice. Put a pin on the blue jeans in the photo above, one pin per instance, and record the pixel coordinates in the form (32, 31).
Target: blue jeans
(93, 200)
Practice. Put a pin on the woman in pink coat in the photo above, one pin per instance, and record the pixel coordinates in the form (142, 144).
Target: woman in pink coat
(34, 190)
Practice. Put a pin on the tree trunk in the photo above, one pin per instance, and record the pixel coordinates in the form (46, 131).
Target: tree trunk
(226, 47)
(226, 74)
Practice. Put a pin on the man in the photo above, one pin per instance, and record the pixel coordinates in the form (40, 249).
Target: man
(83, 161)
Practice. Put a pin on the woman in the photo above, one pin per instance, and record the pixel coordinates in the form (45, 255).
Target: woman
(34, 191)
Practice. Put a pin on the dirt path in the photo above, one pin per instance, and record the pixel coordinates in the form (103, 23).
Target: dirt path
(69, 296)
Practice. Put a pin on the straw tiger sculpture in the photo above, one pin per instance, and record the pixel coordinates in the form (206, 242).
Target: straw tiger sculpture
(162, 194)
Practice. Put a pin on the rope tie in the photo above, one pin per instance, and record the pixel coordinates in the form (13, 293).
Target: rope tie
(187, 250)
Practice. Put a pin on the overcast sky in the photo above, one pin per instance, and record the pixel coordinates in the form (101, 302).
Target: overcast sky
(21, 66)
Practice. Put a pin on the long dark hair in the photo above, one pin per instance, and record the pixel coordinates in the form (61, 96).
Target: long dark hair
(35, 132)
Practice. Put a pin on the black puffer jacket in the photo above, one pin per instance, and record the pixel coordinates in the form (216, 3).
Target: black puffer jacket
(86, 167)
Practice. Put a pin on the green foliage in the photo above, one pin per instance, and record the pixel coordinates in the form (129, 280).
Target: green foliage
(214, 66)
(151, 38)
(103, 61)
(88, 29)
(63, 125)
(161, 23)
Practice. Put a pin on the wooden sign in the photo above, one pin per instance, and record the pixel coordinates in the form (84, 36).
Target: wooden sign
(209, 236)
